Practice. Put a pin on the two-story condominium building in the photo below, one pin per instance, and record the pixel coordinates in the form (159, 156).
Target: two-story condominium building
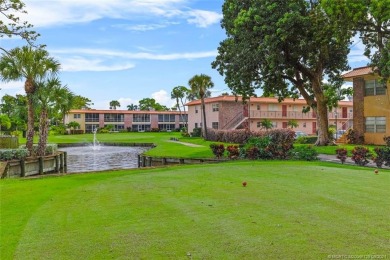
(126, 120)
(371, 105)
(227, 112)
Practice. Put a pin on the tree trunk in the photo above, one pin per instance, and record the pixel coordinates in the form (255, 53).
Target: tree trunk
(178, 106)
(185, 121)
(30, 124)
(43, 133)
(204, 119)
(322, 116)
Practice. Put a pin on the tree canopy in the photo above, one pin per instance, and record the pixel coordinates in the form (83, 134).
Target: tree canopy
(285, 48)
(149, 104)
(200, 87)
(371, 21)
(114, 104)
(10, 23)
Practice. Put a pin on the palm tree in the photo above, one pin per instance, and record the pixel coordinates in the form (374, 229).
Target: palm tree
(48, 93)
(32, 65)
(114, 104)
(64, 103)
(293, 123)
(199, 86)
(179, 93)
(132, 107)
(266, 124)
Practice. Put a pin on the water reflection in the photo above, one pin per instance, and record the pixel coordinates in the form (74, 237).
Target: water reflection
(86, 159)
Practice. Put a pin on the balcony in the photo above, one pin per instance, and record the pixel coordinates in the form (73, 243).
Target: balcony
(294, 115)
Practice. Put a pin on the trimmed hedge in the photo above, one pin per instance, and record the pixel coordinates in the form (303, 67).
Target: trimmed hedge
(280, 141)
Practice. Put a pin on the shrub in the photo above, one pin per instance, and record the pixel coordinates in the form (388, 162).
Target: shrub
(155, 129)
(57, 130)
(13, 154)
(6, 154)
(103, 130)
(184, 132)
(16, 133)
(387, 140)
(50, 149)
(76, 131)
(360, 155)
(239, 136)
(217, 149)
(20, 153)
(342, 154)
(197, 132)
(382, 156)
(354, 138)
(281, 142)
(304, 153)
(252, 153)
(233, 151)
(262, 144)
(306, 140)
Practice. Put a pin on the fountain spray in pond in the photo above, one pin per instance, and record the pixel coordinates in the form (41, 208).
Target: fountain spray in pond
(96, 144)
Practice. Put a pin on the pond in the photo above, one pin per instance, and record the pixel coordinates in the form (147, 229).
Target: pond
(88, 158)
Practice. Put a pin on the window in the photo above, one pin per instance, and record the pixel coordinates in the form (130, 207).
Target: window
(258, 107)
(183, 118)
(214, 125)
(272, 107)
(374, 88)
(274, 124)
(90, 128)
(141, 118)
(166, 118)
(215, 107)
(113, 117)
(75, 116)
(196, 110)
(91, 117)
(375, 124)
(166, 126)
(117, 127)
(258, 124)
(196, 125)
(139, 128)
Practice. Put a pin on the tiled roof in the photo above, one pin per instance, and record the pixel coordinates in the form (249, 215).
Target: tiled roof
(356, 72)
(270, 100)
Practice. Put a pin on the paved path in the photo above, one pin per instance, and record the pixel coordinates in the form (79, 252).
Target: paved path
(186, 144)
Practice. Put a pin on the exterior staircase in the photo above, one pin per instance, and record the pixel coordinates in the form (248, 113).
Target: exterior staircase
(342, 139)
(235, 122)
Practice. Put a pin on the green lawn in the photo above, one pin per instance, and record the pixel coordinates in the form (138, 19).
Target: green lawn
(165, 147)
(289, 210)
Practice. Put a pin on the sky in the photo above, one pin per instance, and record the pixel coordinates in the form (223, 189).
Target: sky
(127, 50)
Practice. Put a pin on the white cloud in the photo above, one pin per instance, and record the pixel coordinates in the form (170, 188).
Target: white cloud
(162, 97)
(12, 88)
(84, 64)
(357, 51)
(62, 12)
(203, 18)
(126, 101)
(138, 55)
(144, 27)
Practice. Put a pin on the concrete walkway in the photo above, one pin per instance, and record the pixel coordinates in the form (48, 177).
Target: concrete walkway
(186, 144)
